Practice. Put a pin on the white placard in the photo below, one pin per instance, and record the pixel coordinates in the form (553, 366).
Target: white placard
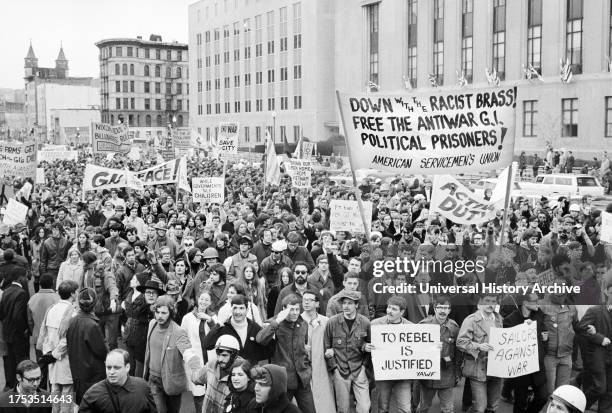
(515, 351)
(15, 213)
(344, 216)
(606, 227)
(208, 190)
(227, 142)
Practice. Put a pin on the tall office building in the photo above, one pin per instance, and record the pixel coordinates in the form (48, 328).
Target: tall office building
(144, 83)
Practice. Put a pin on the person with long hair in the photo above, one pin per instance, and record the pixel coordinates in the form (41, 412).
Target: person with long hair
(216, 285)
(254, 287)
(82, 243)
(71, 269)
(241, 387)
(36, 243)
(197, 323)
(226, 309)
(285, 278)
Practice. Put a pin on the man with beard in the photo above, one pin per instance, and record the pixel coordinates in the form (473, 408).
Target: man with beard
(215, 374)
(298, 287)
(290, 332)
(168, 355)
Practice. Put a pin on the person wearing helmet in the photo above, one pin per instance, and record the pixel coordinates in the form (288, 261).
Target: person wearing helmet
(272, 264)
(210, 258)
(215, 374)
(567, 399)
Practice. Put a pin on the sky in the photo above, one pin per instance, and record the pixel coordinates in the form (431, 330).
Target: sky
(78, 25)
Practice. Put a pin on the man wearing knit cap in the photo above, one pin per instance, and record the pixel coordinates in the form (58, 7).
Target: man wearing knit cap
(86, 347)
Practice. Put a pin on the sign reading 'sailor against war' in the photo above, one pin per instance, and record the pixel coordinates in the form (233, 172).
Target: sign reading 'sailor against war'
(441, 133)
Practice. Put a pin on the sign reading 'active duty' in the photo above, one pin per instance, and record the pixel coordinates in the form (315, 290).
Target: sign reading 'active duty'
(441, 133)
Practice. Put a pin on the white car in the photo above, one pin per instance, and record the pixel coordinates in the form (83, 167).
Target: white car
(556, 185)
(482, 185)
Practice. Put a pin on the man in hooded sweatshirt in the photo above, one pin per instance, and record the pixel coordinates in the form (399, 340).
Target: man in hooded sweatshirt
(271, 391)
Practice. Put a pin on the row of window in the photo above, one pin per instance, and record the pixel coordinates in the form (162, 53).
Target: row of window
(283, 71)
(130, 103)
(137, 52)
(123, 70)
(139, 120)
(259, 133)
(569, 118)
(126, 86)
(573, 38)
(247, 108)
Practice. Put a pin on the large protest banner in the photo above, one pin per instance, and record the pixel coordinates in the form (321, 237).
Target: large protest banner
(174, 171)
(456, 202)
(15, 213)
(109, 138)
(55, 154)
(227, 140)
(344, 216)
(17, 159)
(437, 133)
(515, 351)
(300, 171)
(181, 143)
(606, 227)
(99, 177)
(406, 351)
(208, 190)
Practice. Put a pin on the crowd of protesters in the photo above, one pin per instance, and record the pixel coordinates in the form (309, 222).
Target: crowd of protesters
(139, 297)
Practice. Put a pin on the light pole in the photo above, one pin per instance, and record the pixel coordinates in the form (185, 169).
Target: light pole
(274, 127)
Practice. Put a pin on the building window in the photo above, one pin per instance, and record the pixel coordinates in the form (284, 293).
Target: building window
(296, 133)
(258, 105)
(237, 81)
(499, 37)
(247, 79)
(132, 103)
(168, 88)
(158, 54)
(157, 87)
(237, 107)
(179, 72)
(124, 69)
(247, 106)
(147, 87)
(226, 82)
(372, 16)
(271, 47)
(147, 106)
(117, 69)
(117, 103)
(118, 52)
(168, 71)
(208, 109)
(271, 103)
(147, 70)
(125, 103)
(131, 86)
(157, 71)
(569, 114)
(530, 110)
(573, 36)
(438, 54)
(157, 104)
(247, 134)
(179, 105)
(608, 125)
(148, 120)
(130, 52)
(271, 76)
(258, 133)
(207, 37)
(236, 55)
(258, 78)
(297, 102)
(534, 35)
(179, 55)
(159, 120)
(297, 71)
(412, 42)
(148, 56)
(467, 39)
(117, 86)
(179, 88)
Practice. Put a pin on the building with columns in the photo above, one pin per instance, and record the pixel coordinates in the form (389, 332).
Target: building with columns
(404, 45)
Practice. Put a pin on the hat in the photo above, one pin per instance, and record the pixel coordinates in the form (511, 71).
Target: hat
(419, 197)
(351, 295)
(172, 287)
(574, 207)
(219, 269)
(161, 226)
(543, 199)
(18, 228)
(152, 284)
(279, 246)
(245, 239)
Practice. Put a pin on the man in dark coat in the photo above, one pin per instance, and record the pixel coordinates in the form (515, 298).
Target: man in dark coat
(28, 379)
(16, 330)
(86, 347)
(529, 312)
(271, 391)
(597, 377)
(54, 251)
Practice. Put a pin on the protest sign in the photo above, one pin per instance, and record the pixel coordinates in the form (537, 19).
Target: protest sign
(438, 133)
(15, 213)
(307, 150)
(17, 159)
(109, 138)
(51, 155)
(134, 153)
(165, 173)
(98, 177)
(456, 202)
(606, 227)
(515, 351)
(208, 190)
(300, 172)
(40, 176)
(227, 142)
(344, 216)
(181, 143)
(546, 277)
(406, 351)
(25, 191)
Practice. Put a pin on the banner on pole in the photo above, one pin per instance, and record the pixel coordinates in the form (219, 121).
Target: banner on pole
(17, 159)
(227, 142)
(181, 143)
(456, 202)
(166, 173)
(15, 212)
(55, 154)
(208, 190)
(438, 133)
(196, 140)
(406, 351)
(515, 351)
(99, 177)
(344, 216)
(108, 138)
(307, 150)
(300, 171)
(40, 176)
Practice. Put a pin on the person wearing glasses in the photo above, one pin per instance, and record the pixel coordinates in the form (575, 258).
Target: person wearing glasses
(26, 395)
(299, 286)
(216, 374)
(387, 388)
(272, 264)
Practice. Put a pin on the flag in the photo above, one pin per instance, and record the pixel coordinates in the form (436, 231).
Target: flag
(196, 140)
(298, 150)
(182, 176)
(272, 165)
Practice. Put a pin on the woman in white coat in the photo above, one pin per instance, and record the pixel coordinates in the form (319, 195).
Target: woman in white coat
(197, 323)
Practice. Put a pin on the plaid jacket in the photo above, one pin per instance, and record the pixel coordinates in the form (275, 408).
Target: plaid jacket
(217, 388)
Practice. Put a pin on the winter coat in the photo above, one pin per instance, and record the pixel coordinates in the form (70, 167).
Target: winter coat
(595, 355)
(515, 319)
(449, 370)
(106, 289)
(69, 271)
(14, 315)
(277, 402)
(53, 252)
(251, 350)
(191, 325)
(270, 268)
(139, 314)
(52, 339)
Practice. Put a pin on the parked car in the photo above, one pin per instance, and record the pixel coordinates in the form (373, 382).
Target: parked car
(555, 185)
